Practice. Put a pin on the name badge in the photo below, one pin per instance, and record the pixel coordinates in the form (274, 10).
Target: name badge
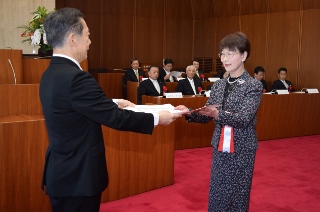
(312, 90)
(282, 91)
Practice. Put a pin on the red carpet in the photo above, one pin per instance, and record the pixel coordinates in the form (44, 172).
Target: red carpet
(286, 178)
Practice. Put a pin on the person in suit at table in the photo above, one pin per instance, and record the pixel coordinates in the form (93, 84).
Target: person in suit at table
(189, 85)
(164, 73)
(74, 107)
(259, 75)
(196, 63)
(282, 83)
(151, 86)
(133, 74)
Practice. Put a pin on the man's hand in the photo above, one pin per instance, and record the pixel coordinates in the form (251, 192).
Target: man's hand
(183, 109)
(165, 117)
(124, 103)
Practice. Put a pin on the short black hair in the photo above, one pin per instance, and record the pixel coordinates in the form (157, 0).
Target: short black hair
(152, 66)
(60, 23)
(259, 69)
(282, 69)
(134, 59)
(236, 41)
(167, 61)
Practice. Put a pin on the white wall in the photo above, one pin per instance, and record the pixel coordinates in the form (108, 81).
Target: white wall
(14, 13)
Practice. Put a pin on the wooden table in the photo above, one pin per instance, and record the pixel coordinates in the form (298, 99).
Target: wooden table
(187, 135)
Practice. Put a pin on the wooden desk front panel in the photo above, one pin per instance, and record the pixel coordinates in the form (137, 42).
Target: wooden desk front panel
(20, 99)
(33, 69)
(187, 135)
(22, 151)
(6, 72)
(111, 84)
(132, 91)
(137, 162)
(283, 116)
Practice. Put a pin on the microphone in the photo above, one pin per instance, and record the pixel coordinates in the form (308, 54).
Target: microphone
(303, 90)
(274, 91)
(14, 73)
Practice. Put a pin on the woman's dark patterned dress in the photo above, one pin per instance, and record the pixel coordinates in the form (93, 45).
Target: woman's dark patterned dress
(231, 173)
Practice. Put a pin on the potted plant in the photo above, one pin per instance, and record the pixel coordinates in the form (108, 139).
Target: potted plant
(34, 32)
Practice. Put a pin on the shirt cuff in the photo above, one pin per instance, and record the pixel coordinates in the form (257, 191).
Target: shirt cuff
(115, 101)
(155, 118)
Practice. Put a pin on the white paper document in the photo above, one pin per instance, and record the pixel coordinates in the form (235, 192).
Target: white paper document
(153, 108)
(176, 74)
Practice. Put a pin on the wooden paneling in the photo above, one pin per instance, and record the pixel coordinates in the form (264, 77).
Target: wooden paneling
(282, 123)
(202, 9)
(283, 42)
(138, 163)
(309, 75)
(23, 145)
(188, 135)
(6, 72)
(283, 5)
(255, 27)
(20, 99)
(111, 84)
(180, 52)
(249, 7)
(204, 38)
(149, 40)
(182, 30)
(33, 69)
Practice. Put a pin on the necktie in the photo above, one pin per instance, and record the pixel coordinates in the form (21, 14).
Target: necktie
(192, 86)
(285, 84)
(156, 85)
(197, 72)
(137, 74)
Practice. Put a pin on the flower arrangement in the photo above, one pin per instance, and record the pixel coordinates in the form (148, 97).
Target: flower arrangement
(34, 31)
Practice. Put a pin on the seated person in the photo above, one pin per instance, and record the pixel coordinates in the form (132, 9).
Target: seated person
(152, 86)
(133, 74)
(189, 86)
(282, 83)
(259, 75)
(195, 63)
(164, 73)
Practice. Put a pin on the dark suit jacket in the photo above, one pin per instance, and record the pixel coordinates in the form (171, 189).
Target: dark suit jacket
(146, 87)
(185, 87)
(198, 77)
(74, 107)
(264, 83)
(278, 85)
(131, 76)
(162, 74)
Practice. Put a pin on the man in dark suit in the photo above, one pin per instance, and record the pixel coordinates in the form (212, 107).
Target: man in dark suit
(196, 64)
(189, 86)
(134, 73)
(151, 86)
(164, 73)
(74, 107)
(282, 83)
(259, 75)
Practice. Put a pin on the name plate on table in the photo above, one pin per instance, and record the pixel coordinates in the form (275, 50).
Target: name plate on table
(312, 90)
(282, 91)
(173, 95)
(213, 79)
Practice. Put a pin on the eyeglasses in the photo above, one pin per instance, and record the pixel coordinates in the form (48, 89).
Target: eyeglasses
(228, 55)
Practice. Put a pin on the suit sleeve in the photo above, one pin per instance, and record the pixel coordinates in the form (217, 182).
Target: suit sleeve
(180, 87)
(141, 91)
(88, 99)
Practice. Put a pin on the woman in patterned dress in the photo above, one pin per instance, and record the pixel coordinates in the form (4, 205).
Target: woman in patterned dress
(233, 104)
